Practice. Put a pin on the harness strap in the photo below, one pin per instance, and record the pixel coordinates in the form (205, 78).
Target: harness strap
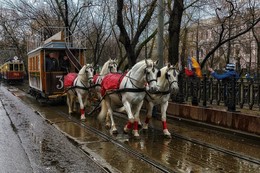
(83, 88)
(118, 91)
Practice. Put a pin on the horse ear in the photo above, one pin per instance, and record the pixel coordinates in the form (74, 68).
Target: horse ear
(168, 65)
(176, 66)
(166, 76)
(156, 62)
(159, 73)
(146, 62)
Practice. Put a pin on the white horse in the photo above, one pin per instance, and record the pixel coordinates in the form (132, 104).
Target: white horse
(80, 89)
(130, 93)
(109, 67)
(167, 83)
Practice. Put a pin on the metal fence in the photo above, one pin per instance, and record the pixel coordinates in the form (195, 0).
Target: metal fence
(232, 93)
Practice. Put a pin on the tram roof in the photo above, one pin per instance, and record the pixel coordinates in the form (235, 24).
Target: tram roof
(56, 46)
(14, 59)
(58, 41)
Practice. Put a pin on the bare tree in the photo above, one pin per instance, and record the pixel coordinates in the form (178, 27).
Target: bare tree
(226, 13)
(97, 31)
(130, 43)
(176, 9)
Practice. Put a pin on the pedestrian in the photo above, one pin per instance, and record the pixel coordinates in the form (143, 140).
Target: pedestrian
(229, 90)
(229, 72)
(65, 64)
(193, 71)
(48, 63)
(51, 62)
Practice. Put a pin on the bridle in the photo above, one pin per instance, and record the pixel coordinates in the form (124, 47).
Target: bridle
(111, 65)
(89, 67)
(131, 79)
(153, 70)
(174, 74)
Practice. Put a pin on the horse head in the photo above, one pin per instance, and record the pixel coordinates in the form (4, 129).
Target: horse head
(151, 74)
(171, 75)
(89, 73)
(112, 65)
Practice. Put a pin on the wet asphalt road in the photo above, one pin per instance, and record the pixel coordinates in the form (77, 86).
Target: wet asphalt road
(29, 144)
(178, 154)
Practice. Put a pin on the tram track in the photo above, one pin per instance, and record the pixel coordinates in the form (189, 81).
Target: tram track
(124, 147)
(108, 138)
(208, 145)
(146, 158)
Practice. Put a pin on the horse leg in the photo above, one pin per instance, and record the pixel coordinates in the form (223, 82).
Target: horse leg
(74, 103)
(166, 132)
(86, 102)
(69, 103)
(150, 106)
(108, 124)
(103, 112)
(128, 126)
(82, 108)
(137, 119)
(113, 128)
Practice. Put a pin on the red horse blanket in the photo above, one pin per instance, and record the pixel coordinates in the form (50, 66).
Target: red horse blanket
(95, 77)
(111, 82)
(69, 78)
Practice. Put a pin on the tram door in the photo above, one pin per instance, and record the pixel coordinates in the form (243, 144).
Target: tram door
(54, 82)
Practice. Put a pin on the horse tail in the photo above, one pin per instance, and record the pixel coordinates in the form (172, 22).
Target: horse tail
(103, 113)
(121, 110)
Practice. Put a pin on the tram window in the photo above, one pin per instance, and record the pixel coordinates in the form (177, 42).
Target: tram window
(21, 67)
(15, 67)
(11, 67)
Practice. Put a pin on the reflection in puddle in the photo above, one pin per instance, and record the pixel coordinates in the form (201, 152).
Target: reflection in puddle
(174, 153)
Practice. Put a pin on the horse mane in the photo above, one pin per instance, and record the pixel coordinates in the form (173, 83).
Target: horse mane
(104, 68)
(82, 70)
(139, 64)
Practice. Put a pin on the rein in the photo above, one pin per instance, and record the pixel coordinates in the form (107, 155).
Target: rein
(130, 79)
(83, 88)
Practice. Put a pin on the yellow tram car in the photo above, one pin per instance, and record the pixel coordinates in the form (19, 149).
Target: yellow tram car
(12, 71)
(48, 82)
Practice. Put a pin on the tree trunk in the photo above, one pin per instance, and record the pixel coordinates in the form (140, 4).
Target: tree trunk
(174, 31)
(130, 45)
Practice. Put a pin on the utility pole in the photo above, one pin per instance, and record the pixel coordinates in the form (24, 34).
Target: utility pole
(160, 32)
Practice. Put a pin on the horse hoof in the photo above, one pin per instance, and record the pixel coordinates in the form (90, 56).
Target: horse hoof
(167, 136)
(82, 118)
(126, 131)
(107, 126)
(114, 132)
(145, 127)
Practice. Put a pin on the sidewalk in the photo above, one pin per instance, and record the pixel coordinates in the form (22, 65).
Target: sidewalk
(28, 143)
(13, 157)
(243, 120)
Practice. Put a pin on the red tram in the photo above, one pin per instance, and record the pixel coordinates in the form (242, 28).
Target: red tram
(45, 72)
(12, 71)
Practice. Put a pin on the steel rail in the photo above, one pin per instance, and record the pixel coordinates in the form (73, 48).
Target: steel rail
(119, 144)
